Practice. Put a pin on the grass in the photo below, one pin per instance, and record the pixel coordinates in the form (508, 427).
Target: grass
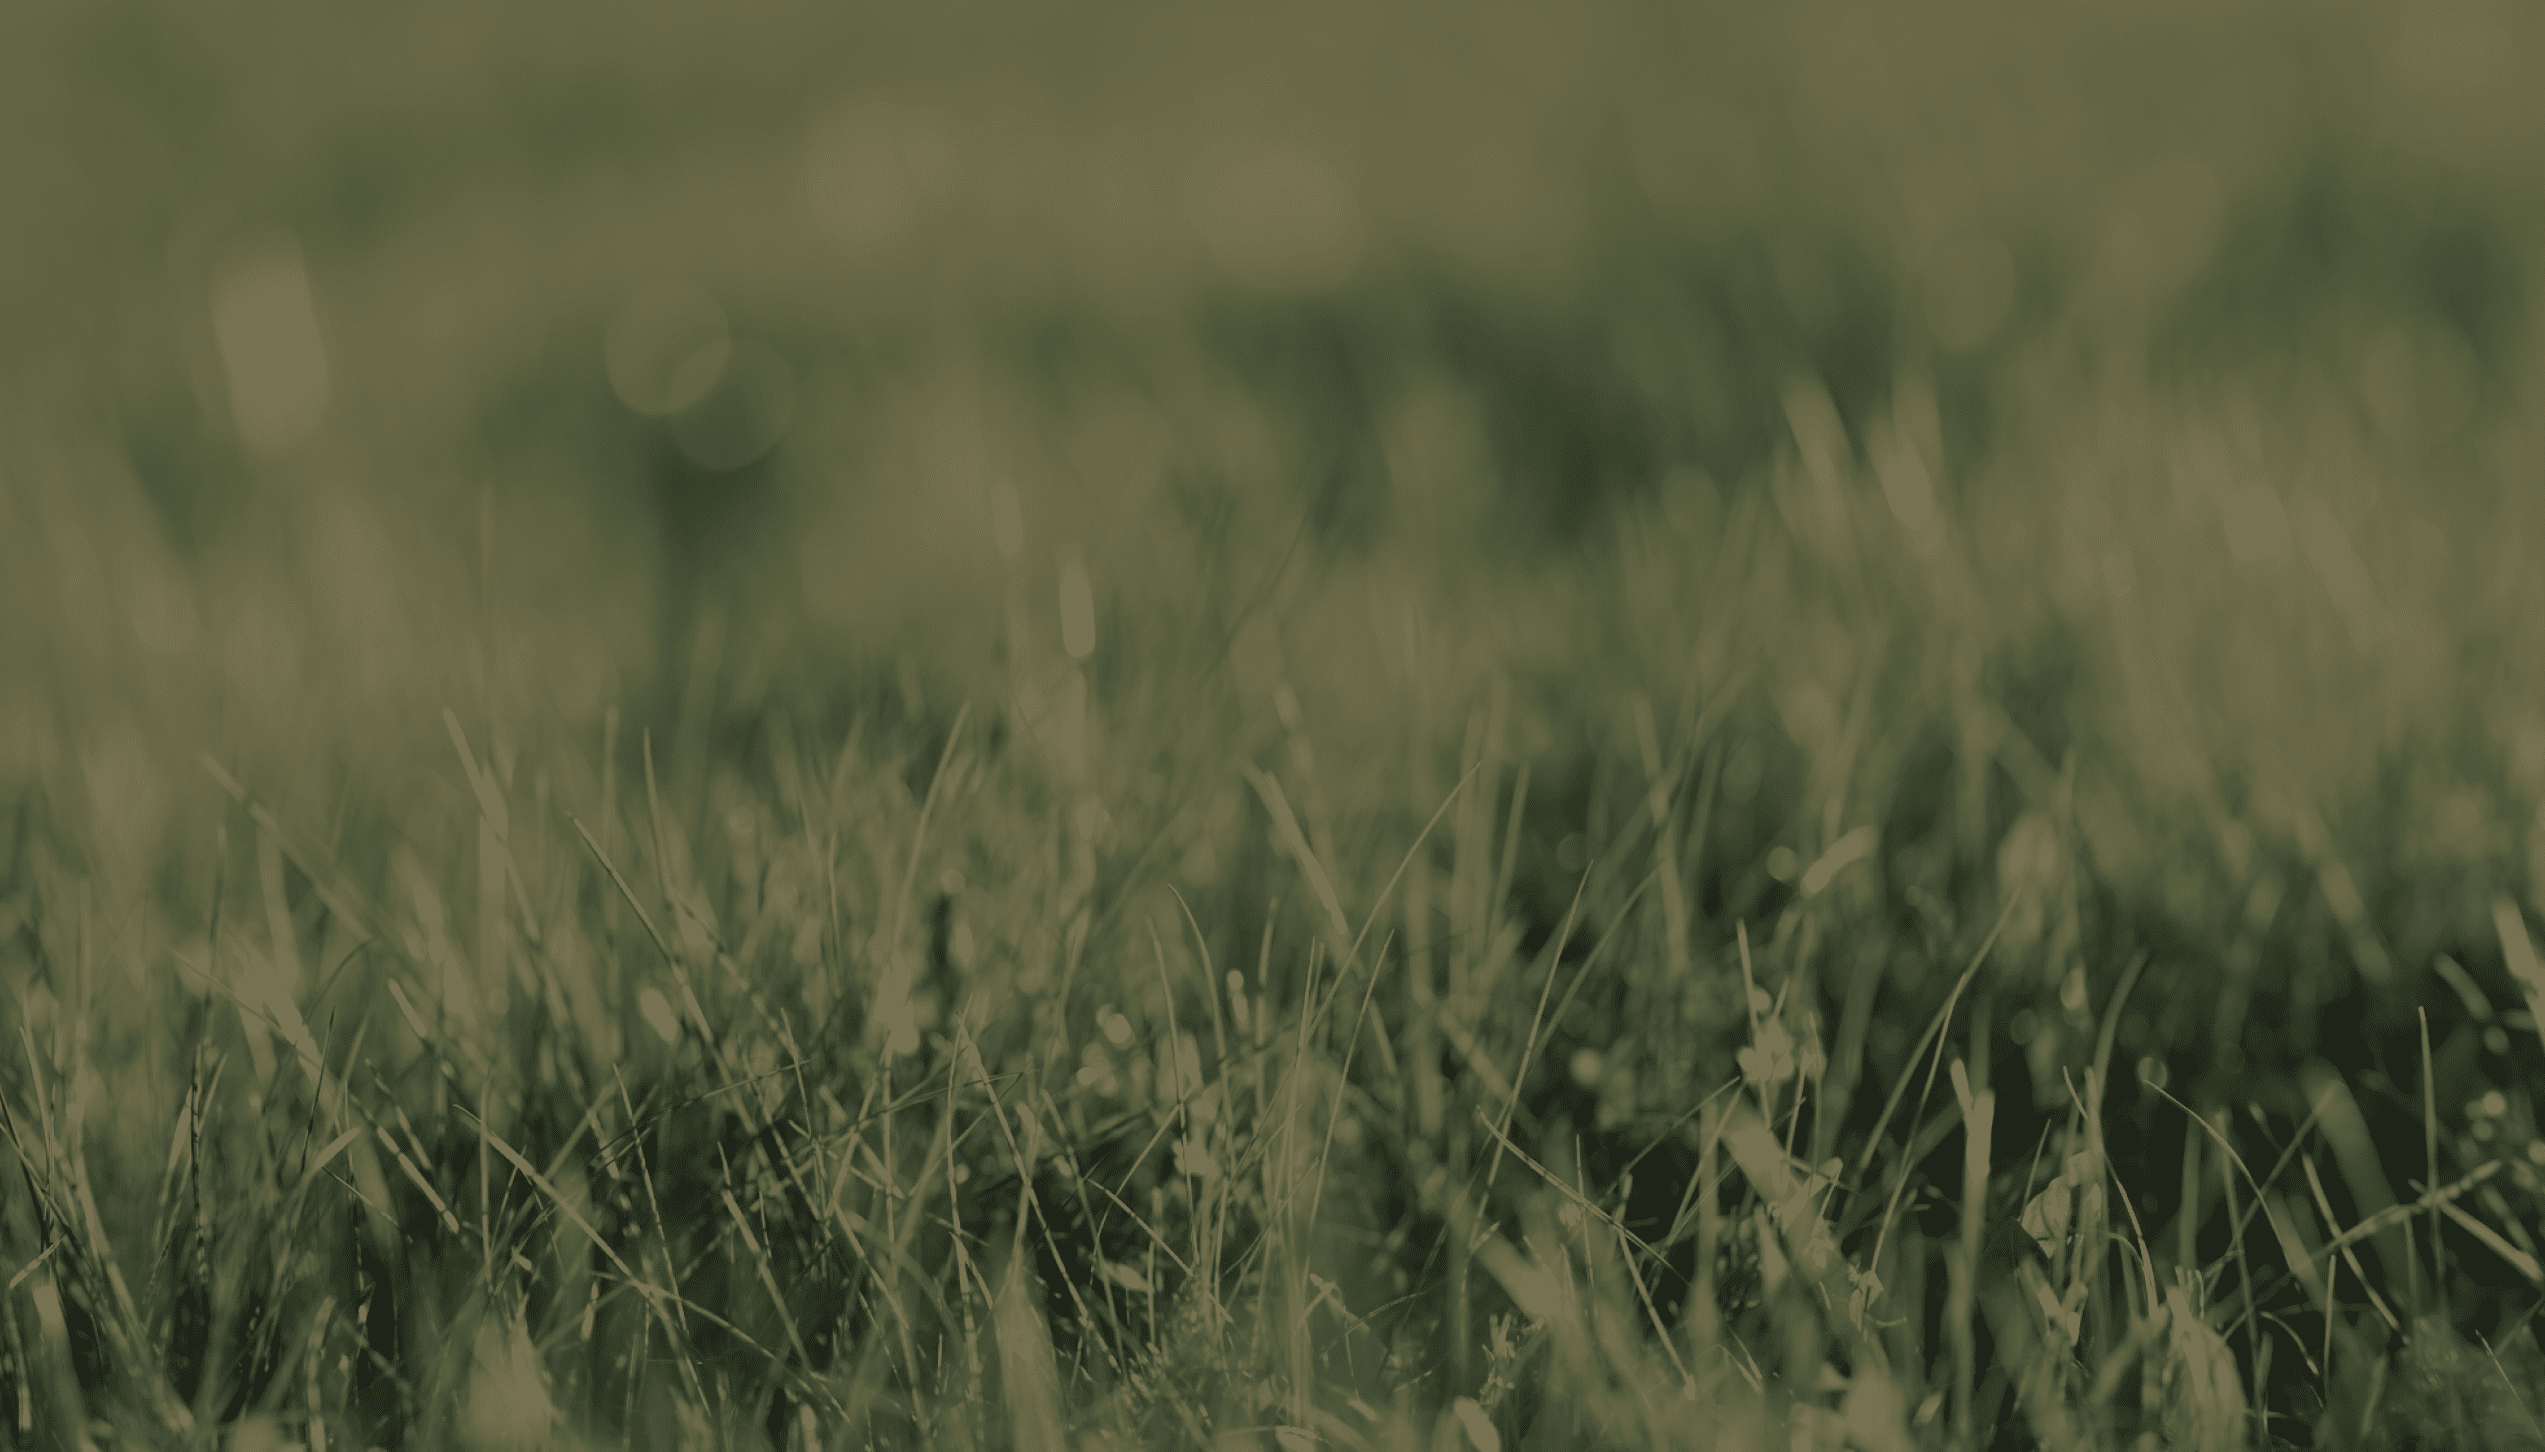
(1739, 804)
(1002, 1079)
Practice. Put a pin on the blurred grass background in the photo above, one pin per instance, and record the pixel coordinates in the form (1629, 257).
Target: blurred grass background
(2099, 449)
(1160, 260)
(2221, 313)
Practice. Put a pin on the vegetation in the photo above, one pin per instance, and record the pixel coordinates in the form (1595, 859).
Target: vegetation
(1729, 734)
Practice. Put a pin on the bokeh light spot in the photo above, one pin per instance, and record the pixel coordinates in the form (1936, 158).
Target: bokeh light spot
(668, 346)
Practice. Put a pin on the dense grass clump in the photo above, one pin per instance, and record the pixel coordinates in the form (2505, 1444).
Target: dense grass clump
(1662, 998)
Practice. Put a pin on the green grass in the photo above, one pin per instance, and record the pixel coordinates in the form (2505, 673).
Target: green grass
(1844, 752)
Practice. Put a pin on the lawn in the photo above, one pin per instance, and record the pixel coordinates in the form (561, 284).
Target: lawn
(1335, 727)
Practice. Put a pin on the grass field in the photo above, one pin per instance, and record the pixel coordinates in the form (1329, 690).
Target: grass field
(1330, 728)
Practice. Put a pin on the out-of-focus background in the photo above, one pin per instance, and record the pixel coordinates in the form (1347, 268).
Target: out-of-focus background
(358, 363)
(2085, 459)
(774, 300)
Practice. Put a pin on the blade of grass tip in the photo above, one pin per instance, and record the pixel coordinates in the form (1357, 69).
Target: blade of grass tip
(1935, 1026)
(1027, 1202)
(892, 995)
(2244, 1264)
(1184, 1092)
(2355, 1156)
(304, 1048)
(768, 1275)
(677, 1334)
(2279, 1166)
(1672, 1128)
(100, 1250)
(1509, 862)
(496, 866)
(413, 1167)
(1029, 1377)
(1379, 904)
(654, 816)
(1661, 786)
(2187, 1219)
(2430, 1146)
(1342, 1081)
(1634, 1246)
(2088, 1269)
(2332, 1277)
(1979, 1112)
(2516, 1396)
(1293, 1086)
(2518, 1260)
(485, 1212)
(334, 1147)
(339, 898)
(2518, 951)
(32, 1266)
(2103, 1048)
(1211, 989)
(1210, 976)
(2295, 1231)
(642, 917)
(2338, 1252)
(609, 813)
(1788, 1199)
(1934, 1031)
(663, 880)
(565, 1208)
(1295, 842)
(2116, 1363)
(1699, 1311)
(1087, 1216)
(164, 1221)
(1555, 959)
(954, 1210)
(1607, 936)
(1749, 982)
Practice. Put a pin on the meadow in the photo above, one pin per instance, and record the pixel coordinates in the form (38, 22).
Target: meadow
(1341, 727)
